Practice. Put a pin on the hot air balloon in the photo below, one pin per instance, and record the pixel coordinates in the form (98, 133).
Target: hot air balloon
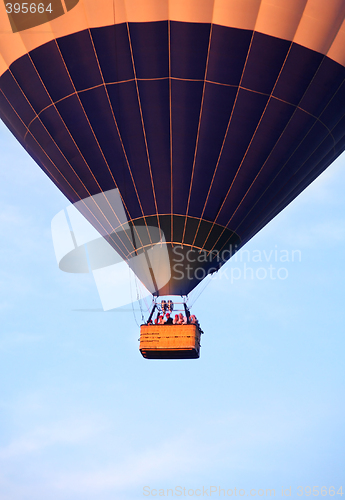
(208, 116)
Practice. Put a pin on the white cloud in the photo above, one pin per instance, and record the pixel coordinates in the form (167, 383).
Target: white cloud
(4, 305)
(10, 340)
(256, 438)
(21, 236)
(234, 441)
(332, 231)
(310, 235)
(323, 190)
(170, 457)
(67, 431)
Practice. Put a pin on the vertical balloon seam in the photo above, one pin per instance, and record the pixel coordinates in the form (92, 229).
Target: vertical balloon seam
(257, 175)
(226, 133)
(170, 136)
(282, 132)
(138, 98)
(76, 93)
(333, 147)
(232, 111)
(289, 197)
(143, 125)
(257, 127)
(298, 146)
(282, 202)
(200, 116)
(28, 131)
(93, 132)
(48, 172)
(118, 131)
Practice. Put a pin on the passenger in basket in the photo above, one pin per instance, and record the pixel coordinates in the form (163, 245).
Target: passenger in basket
(195, 321)
(169, 320)
(182, 319)
(161, 320)
(175, 322)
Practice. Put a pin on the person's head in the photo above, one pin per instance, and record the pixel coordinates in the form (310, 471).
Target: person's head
(156, 321)
(181, 315)
(176, 316)
(168, 315)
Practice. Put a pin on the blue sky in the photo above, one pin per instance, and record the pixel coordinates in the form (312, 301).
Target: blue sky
(84, 416)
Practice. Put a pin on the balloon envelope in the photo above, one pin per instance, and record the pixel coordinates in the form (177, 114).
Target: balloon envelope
(209, 117)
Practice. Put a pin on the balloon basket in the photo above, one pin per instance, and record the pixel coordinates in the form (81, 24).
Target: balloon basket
(169, 341)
